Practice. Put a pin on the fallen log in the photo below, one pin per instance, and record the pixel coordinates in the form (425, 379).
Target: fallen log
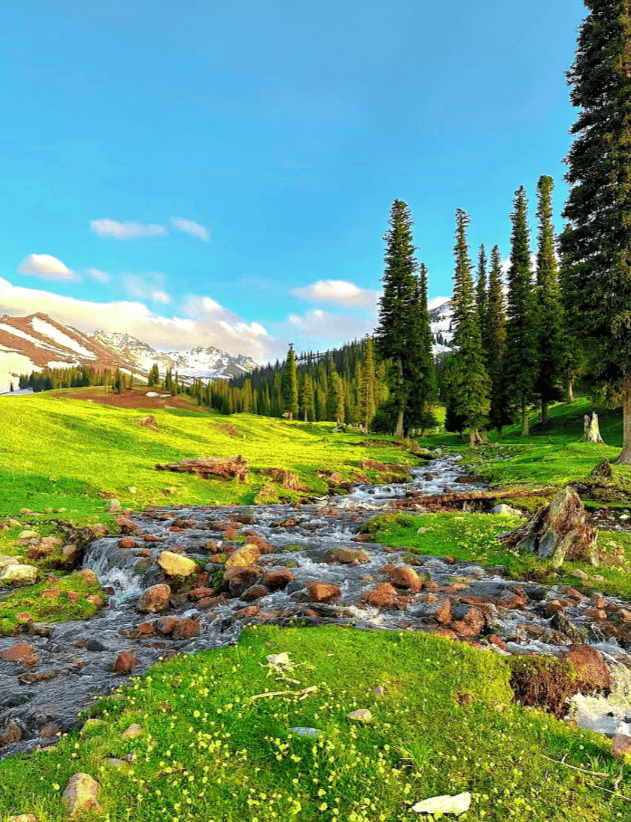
(222, 467)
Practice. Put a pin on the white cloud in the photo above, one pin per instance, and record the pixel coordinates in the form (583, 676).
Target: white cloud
(161, 297)
(199, 327)
(99, 276)
(46, 267)
(191, 227)
(340, 292)
(317, 327)
(126, 231)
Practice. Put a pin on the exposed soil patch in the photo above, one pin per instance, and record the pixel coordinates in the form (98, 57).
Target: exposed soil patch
(230, 430)
(131, 398)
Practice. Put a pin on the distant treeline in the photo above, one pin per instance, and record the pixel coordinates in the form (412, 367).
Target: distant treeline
(344, 385)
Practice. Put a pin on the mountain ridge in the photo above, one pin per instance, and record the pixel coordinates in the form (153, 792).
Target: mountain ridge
(36, 342)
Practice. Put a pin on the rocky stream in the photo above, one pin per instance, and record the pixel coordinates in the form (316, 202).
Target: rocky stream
(286, 564)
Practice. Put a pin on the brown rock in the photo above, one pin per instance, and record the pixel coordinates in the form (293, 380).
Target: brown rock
(590, 667)
(322, 591)
(81, 794)
(595, 613)
(210, 602)
(166, 625)
(403, 576)
(88, 577)
(127, 542)
(40, 551)
(201, 593)
(621, 745)
(95, 599)
(154, 599)
(246, 613)
(133, 731)
(186, 629)
(349, 556)
(495, 640)
(49, 731)
(51, 593)
(146, 628)
(277, 579)
(248, 555)
(125, 663)
(437, 610)
(254, 592)
(73, 597)
(18, 652)
(467, 620)
(126, 525)
(12, 733)
(382, 596)
(239, 579)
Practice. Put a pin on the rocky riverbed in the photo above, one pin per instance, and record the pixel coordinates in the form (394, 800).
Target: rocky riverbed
(185, 579)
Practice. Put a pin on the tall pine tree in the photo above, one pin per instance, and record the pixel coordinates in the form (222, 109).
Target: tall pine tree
(499, 413)
(367, 388)
(549, 319)
(520, 354)
(396, 305)
(481, 301)
(419, 367)
(290, 385)
(471, 385)
(597, 248)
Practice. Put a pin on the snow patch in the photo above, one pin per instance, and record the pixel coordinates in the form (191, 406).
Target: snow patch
(53, 333)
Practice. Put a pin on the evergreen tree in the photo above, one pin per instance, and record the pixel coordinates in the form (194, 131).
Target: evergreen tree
(399, 293)
(520, 354)
(420, 368)
(335, 406)
(290, 385)
(548, 297)
(499, 413)
(481, 301)
(471, 385)
(598, 248)
(306, 399)
(368, 404)
(247, 396)
(571, 328)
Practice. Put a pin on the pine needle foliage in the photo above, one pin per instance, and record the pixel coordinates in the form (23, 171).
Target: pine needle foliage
(471, 384)
(597, 247)
(520, 355)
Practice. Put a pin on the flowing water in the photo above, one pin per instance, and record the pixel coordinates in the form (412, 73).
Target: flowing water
(72, 664)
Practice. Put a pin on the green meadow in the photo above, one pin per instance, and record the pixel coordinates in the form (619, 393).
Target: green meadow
(214, 744)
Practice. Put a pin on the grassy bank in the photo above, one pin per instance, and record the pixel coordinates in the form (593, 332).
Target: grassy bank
(56, 452)
(207, 750)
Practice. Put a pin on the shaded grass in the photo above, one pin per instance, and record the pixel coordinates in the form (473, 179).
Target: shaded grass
(208, 752)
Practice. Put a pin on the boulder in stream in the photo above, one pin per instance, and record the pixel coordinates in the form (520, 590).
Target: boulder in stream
(558, 531)
(154, 599)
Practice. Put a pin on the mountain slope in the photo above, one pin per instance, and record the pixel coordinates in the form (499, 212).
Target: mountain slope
(37, 342)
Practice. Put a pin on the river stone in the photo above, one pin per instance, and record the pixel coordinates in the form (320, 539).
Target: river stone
(28, 535)
(12, 733)
(505, 510)
(455, 805)
(5, 562)
(621, 745)
(19, 575)
(81, 794)
(360, 715)
(175, 565)
(154, 599)
(248, 555)
(323, 591)
(404, 576)
(590, 667)
(133, 731)
(349, 556)
(125, 663)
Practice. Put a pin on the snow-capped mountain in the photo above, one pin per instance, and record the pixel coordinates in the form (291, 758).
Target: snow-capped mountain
(441, 323)
(37, 342)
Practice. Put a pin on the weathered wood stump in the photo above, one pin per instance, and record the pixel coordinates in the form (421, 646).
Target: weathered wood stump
(558, 531)
(222, 467)
(592, 429)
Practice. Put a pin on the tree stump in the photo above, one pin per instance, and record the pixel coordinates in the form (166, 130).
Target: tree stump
(592, 429)
(558, 531)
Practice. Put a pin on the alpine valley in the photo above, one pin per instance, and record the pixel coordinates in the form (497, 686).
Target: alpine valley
(37, 342)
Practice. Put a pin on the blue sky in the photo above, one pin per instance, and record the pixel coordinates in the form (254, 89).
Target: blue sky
(210, 173)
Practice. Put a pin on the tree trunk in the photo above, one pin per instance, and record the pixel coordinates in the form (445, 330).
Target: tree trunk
(474, 438)
(525, 428)
(570, 389)
(399, 429)
(625, 455)
(592, 429)
(545, 414)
